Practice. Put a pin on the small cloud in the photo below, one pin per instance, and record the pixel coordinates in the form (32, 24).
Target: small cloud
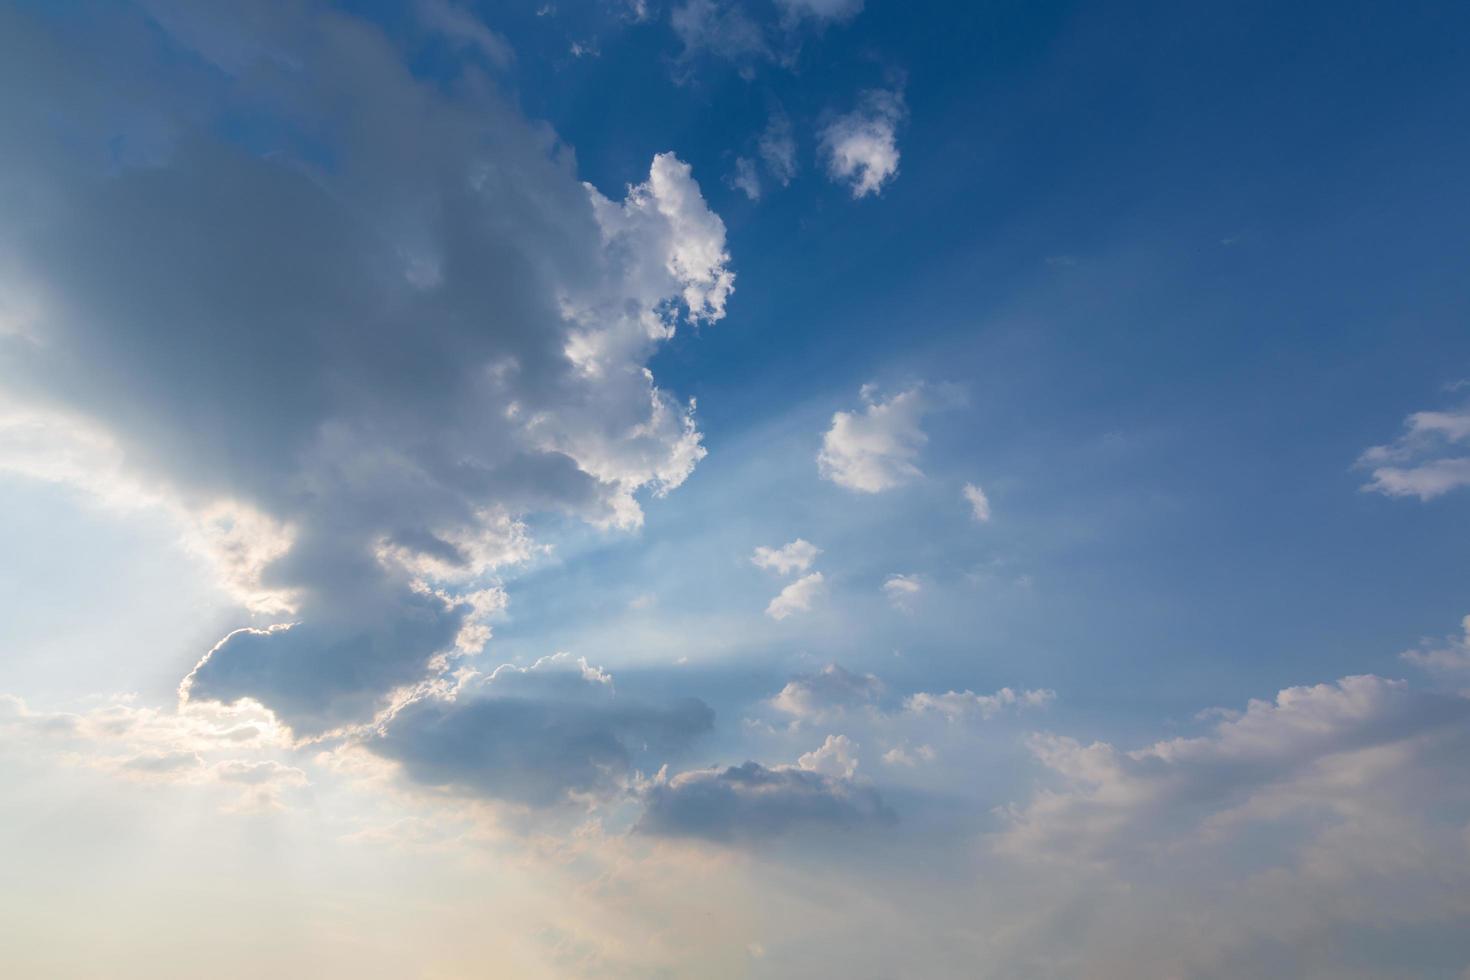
(796, 597)
(1430, 458)
(958, 705)
(861, 147)
(796, 556)
(979, 503)
(874, 449)
(901, 590)
(836, 757)
(778, 148)
(745, 179)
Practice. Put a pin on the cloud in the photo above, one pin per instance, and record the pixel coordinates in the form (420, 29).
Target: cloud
(353, 380)
(794, 556)
(957, 705)
(1451, 657)
(750, 803)
(1427, 460)
(534, 736)
(720, 28)
(796, 597)
(874, 449)
(745, 179)
(861, 147)
(778, 148)
(465, 28)
(899, 755)
(835, 757)
(831, 10)
(747, 34)
(834, 688)
(1114, 802)
(901, 590)
(979, 503)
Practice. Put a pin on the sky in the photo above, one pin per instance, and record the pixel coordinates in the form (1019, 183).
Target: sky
(734, 488)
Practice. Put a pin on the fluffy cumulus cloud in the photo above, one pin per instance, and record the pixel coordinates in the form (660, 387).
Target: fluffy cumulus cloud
(539, 735)
(796, 597)
(875, 449)
(354, 377)
(795, 556)
(861, 147)
(833, 688)
(752, 802)
(1430, 458)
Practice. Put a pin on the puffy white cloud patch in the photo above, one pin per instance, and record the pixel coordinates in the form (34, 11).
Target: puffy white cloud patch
(979, 503)
(875, 449)
(350, 382)
(836, 757)
(1430, 458)
(833, 688)
(796, 597)
(794, 556)
(861, 147)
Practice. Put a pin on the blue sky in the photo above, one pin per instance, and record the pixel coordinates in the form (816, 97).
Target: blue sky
(999, 470)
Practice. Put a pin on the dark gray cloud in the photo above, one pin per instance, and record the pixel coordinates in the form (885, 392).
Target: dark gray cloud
(751, 802)
(535, 735)
(371, 319)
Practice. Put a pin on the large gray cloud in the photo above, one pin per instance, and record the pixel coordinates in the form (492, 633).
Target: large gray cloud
(370, 319)
(534, 735)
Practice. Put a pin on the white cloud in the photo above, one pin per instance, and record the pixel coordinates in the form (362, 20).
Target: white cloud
(979, 503)
(836, 757)
(796, 597)
(861, 147)
(794, 556)
(957, 705)
(874, 449)
(901, 590)
(900, 755)
(778, 148)
(1428, 460)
